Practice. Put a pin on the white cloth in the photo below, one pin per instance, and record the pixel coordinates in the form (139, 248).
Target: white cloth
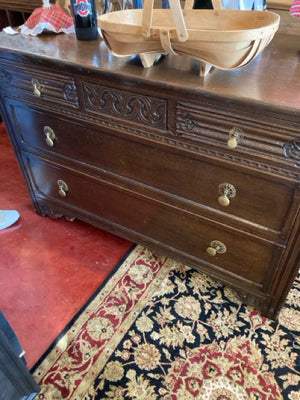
(8, 218)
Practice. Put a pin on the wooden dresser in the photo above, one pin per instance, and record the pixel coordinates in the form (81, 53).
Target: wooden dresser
(206, 170)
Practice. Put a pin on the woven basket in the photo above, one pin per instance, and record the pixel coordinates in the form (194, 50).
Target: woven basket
(226, 39)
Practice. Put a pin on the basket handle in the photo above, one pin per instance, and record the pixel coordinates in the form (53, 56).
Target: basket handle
(147, 18)
(177, 15)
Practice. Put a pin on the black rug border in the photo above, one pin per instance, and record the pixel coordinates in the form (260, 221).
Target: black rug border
(77, 315)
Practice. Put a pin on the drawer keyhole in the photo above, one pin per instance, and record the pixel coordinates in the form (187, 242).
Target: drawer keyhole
(62, 188)
(216, 247)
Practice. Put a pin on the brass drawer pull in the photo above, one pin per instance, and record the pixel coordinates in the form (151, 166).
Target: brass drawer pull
(50, 135)
(235, 136)
(227, 192)
(37, 88)
(216, 247)
(62, 188)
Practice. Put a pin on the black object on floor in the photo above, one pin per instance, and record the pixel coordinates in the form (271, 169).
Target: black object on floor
(16, 382)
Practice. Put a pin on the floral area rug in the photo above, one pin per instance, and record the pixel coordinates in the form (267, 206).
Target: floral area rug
(159, 330)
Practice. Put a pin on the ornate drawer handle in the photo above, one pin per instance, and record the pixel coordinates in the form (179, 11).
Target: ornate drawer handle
(62, 188)
(227, 192)
(235, 136)
(37, 87)
(216, 247)
(50, 135)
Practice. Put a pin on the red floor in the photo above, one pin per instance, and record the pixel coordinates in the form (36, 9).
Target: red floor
(48, 268)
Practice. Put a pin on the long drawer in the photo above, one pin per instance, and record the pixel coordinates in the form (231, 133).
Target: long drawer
(227, 252)
(214, 187)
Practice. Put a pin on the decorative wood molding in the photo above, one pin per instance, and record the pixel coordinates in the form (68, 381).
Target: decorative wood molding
(134, 107)
(186, 122)
(52, 213)
(49, 212)
(5, 76)
(246, 298)
(70, 93)
(292, 150)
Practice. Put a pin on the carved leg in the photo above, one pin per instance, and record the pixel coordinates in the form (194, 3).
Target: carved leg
(47, 211)
(205, 68)
(148, 59)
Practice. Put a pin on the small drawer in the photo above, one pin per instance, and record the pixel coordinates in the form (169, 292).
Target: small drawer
(179, 176)
(235, 134)
(239, 256)
(39, 86)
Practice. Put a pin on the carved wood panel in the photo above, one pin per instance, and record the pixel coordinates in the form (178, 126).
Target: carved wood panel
(126, 105)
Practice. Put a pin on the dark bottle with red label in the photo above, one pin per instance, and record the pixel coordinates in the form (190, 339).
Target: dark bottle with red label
(85, 19)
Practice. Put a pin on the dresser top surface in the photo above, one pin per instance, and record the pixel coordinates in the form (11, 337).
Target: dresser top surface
(272, 79)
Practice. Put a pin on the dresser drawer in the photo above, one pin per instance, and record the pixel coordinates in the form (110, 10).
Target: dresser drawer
(38, 86)
(196, 183)
(234, 134)
(246, 258)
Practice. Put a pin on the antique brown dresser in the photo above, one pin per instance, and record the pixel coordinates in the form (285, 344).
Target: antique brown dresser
(206, 170)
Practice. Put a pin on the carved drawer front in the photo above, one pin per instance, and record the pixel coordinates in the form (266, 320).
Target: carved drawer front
(197, 184)
(225, 251)
(124, 105)
(38, 86)
(242, 135)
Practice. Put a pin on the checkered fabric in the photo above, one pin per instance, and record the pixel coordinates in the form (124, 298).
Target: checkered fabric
(52, 19)
(295, 9)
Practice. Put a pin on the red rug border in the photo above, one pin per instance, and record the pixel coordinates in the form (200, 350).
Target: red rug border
(77, 315)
